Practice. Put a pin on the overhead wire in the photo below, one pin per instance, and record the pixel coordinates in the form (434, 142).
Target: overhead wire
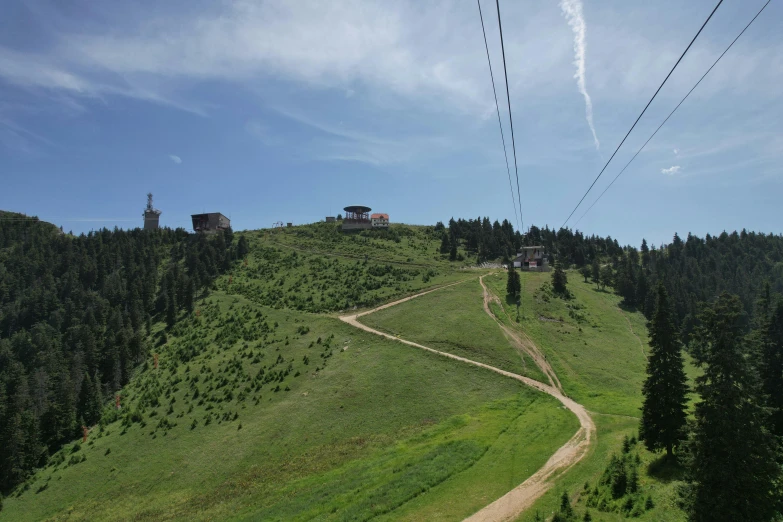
(510, 119)
(674, 110)
(500, 124)
(642, 113)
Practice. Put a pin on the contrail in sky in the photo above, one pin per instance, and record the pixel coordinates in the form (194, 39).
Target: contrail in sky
(572, 10)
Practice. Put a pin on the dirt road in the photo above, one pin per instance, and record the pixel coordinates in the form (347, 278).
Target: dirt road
(521, 497)
(520, 340)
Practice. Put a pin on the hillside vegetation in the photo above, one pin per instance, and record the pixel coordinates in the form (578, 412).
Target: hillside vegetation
(263, 405)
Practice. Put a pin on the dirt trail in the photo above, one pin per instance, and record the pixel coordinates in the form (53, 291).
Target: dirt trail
(514, 502)
(520, 340)
(630, 327)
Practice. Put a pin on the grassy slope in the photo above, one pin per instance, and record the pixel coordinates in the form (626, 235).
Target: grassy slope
(597, 357)
(358, 432)
(318, 269)
(453, 320)
(606, 373)
(417, 245)
(602, 366)
(354, 436)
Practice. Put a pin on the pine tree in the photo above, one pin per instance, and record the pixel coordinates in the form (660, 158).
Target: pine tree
(513, 284)
(445, 246)
(641, 290)
(607, 277)
(453, 251)
(565, 505)
(560, 280)
(171, 312)
(665, 389)
(229, 235)
(585, 271)
(596, 269)
(732, 468)
(190, 290)
(771, 366)
(242, 247)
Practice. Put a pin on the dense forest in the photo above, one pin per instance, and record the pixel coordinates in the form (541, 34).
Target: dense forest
(694, 271)
(75, 319)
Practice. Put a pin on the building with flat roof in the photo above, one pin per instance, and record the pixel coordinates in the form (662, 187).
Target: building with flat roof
(210, 223)
(532, 258)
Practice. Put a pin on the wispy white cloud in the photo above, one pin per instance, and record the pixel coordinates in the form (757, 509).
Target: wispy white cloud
(262, 132)
(676, 152)
(176, 159)
(572, 10)
(671, 171)
(343, 142)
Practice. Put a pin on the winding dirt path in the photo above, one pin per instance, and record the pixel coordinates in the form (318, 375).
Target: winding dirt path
(523, 496)
(520, 340)
(630, 327)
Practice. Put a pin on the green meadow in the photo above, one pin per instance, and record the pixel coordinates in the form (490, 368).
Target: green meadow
(264, 406)
(453, 320)
(280, 415)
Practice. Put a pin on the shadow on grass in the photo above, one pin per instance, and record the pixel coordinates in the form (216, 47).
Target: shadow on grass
(511, 300)
(627, 308)
(666, 469)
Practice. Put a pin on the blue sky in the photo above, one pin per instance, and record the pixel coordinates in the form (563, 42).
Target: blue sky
(289, 111)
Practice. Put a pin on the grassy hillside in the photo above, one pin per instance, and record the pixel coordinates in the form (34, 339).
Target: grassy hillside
(257, 412)
(405, 244)
(596, 348)
(598, 351)
(316, 268)
(266, 407)
(453, 320)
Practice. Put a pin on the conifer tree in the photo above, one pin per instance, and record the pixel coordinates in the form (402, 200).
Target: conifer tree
(242, 247)
(513, 284)
(771, 367)
(732, 469)
(559, 280)
(665, 389)
(596, 268)
(445, 246)
(585, 272)
(607, 277)
(171, 311)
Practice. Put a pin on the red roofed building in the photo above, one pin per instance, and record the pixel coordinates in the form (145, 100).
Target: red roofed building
(380, 220)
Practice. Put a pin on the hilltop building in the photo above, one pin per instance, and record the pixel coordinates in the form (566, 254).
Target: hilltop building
(357, 217)
(532, 258)
(151, 215)
(331, 219)
(380, 220)
(210, 223)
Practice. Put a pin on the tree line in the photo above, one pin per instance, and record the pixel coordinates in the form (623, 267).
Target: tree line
(731, 448)
(75, 319)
